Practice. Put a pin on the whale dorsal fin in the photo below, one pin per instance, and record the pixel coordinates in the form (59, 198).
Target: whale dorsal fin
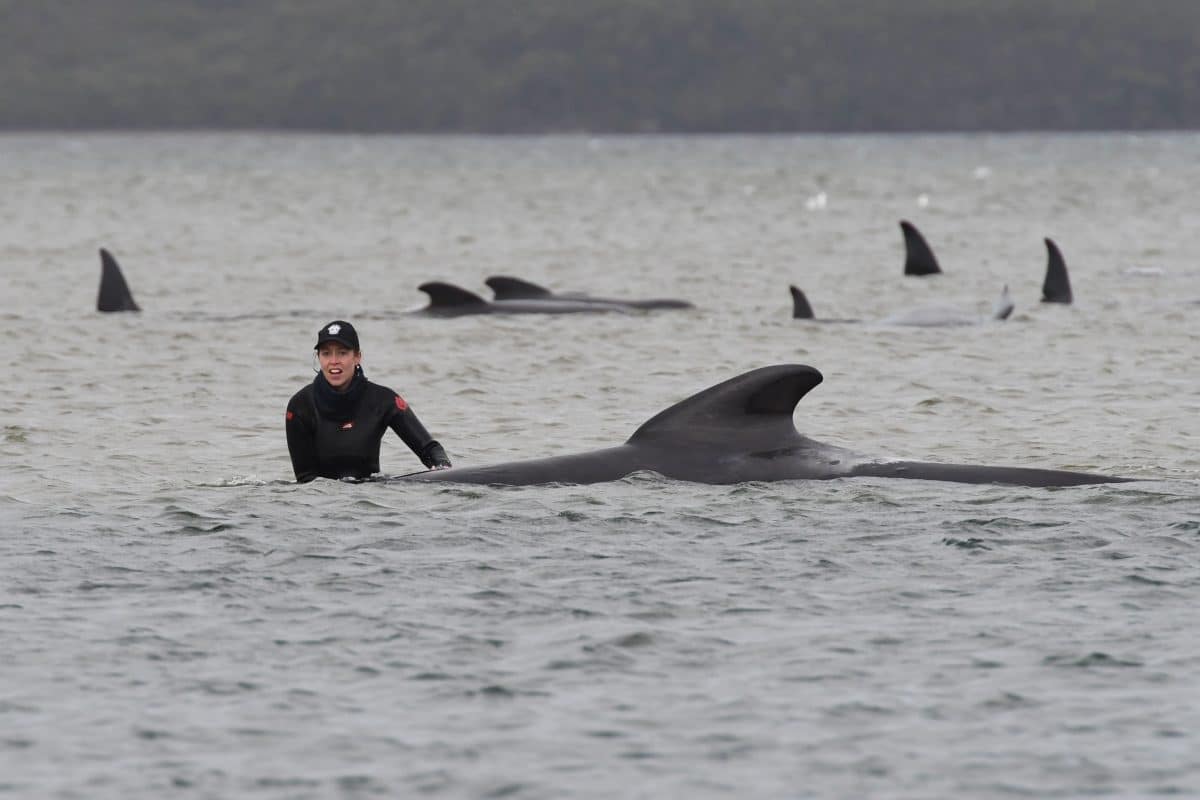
(1057, 286)
(1004, 305)
(918, 257)
(114, 292)
(800, 307)
(446, 295)
(753, 410)
(506, 288)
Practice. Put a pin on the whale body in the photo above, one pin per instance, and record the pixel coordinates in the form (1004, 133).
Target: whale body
(736, 431)
(448, 300)
(505, 288)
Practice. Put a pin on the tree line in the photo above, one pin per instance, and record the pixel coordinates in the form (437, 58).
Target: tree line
(533, 66)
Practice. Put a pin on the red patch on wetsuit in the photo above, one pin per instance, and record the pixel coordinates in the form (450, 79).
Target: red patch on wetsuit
(400, 404)
(289, 416)
(347, 425)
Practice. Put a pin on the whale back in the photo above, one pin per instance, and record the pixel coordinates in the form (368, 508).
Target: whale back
(506, 288)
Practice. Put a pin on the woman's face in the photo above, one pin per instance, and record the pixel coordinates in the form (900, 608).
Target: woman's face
(338, 363)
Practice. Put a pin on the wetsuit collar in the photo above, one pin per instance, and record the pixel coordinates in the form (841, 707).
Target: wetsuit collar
(335, 405)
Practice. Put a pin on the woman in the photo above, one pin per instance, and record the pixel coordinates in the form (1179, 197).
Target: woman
(334, 425)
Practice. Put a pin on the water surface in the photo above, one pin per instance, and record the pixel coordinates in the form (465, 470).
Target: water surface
(180, 619)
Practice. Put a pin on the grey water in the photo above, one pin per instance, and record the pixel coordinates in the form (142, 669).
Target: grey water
(178, 618)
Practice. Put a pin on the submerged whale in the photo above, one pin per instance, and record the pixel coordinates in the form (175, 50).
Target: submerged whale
(114, 291)
(918, 256)
(924, 317)
(448, 300)
(508, 288)
(740, 430)
(1056, 288)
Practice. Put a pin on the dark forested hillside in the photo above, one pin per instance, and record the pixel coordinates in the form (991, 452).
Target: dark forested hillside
(600, 65)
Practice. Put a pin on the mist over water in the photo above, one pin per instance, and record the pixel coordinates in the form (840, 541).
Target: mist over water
(181, 619)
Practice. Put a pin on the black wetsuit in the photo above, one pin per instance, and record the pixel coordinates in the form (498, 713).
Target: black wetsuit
(337, 434)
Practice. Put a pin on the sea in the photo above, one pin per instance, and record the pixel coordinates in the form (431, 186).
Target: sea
(179, 618)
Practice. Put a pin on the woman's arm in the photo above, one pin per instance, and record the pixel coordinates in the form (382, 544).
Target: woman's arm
(301, 444)
(406, 425)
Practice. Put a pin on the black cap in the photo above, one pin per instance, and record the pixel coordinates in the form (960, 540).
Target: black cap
(338, 331)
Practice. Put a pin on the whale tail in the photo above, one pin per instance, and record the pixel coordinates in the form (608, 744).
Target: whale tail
(918, 257)
(966, 473)
(1003, 307)
(508, 288)
(800, 307)
(1057, 286)
(114, 292)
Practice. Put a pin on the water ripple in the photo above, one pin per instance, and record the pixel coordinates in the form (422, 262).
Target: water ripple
(179, 617)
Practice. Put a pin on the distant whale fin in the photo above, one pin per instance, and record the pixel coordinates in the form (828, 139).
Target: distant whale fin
(506, 288)
(1003, 307)
(443, 295)
(754, 409)
(918, 257)
(114, 292)
(800, 307)
(1057, 286)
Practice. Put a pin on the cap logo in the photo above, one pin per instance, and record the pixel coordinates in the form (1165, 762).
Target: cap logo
(332, 330)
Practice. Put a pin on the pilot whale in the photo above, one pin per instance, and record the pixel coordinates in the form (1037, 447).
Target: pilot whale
(114, 291)
(923, 317)
(918, 256)
(740, 430)
(505, 287)
(448, 300)
(445, 300)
